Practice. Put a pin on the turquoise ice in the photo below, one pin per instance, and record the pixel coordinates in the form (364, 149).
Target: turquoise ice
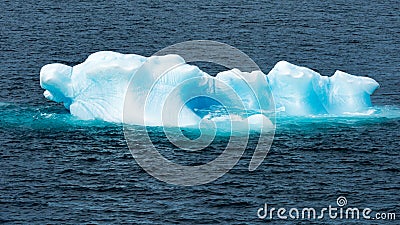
(97, 89)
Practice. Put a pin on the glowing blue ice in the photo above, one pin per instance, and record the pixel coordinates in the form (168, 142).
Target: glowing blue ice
(96, 89)
(302, 91)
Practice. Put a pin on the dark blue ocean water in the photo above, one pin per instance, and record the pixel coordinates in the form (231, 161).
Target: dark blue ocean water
(56, 169)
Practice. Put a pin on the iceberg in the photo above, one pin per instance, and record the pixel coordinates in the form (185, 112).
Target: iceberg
(301, 91)
(166, 91)
(94, 89)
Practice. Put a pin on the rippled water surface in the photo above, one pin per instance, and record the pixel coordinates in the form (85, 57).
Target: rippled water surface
(57, 169)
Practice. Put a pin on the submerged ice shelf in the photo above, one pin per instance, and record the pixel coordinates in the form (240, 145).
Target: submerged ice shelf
(106, 82)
